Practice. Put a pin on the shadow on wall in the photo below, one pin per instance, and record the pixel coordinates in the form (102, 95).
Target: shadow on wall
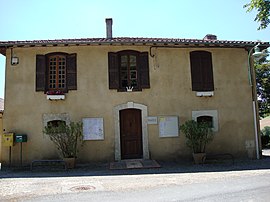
(1, 133)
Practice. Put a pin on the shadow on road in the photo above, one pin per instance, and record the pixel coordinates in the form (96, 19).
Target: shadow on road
(102, 169)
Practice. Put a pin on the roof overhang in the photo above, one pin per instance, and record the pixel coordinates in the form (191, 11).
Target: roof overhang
(161, 42)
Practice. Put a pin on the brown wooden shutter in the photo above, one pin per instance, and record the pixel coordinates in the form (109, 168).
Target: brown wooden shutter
(113, 70)
(196, 71)
(40, 73)
(201, 71)
(144, 70)
(72, 71)
(207, 71)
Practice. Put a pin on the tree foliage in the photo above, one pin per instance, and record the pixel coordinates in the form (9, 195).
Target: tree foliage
(263, 11)
(265, 136)
(263, 87)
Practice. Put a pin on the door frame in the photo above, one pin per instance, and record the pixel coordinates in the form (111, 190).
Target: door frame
(144, 115)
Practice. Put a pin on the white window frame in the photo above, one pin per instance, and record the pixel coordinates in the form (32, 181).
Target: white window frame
(212, 113)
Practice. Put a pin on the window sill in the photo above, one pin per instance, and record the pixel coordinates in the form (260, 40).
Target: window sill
(205, 94)
(55, 97)
(129, 90)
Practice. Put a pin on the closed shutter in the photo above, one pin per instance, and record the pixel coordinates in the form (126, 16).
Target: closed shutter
(72, 71)
(201, 71)
(113, 70)
(144, 70)
(196, 71)
(40, 73)
(207, 71)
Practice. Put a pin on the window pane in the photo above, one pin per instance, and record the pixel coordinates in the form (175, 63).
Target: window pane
(133, 82)
(57, 72)
(133, 74)
(128, 73)
(132, 63)
(206, 119)
(55, 123)
(124, 64)
(124, 75)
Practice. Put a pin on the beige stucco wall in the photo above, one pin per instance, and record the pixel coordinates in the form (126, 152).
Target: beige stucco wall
(1, 133)
(170, 94)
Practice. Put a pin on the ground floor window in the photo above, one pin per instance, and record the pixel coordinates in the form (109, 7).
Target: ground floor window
(208, 116)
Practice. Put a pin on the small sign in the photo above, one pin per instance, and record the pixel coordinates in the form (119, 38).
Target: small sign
(152, 120)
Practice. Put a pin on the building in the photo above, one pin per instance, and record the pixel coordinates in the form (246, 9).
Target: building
(1, 124)
(145, 87)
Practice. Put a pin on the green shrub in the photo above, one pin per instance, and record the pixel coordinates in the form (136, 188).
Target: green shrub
(66, 137)
(197, 135)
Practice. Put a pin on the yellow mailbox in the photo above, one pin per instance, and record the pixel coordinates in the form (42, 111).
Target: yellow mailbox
(8, 139)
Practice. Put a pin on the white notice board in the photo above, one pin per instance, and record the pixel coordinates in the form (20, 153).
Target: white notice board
(168, 126)
(93, 129)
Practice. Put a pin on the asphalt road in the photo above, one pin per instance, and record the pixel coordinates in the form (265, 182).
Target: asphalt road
(243, 181)
(247, 180)
(247, 186)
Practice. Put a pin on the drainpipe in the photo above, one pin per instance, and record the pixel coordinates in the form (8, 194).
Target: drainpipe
(252, 82)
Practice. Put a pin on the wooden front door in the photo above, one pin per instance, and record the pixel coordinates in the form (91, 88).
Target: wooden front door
(131, 134)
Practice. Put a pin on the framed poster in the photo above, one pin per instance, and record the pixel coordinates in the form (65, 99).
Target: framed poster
(93, 129)
(168, 126)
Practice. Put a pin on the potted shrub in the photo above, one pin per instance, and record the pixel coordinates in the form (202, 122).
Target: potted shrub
(197, 136)
(67, 139)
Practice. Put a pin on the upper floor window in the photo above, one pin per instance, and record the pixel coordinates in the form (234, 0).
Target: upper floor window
(56, 72)
(128, 69)
(201, 71)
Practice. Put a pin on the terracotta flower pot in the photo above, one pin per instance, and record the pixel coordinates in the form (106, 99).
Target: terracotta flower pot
(70, 162)
(199, 158)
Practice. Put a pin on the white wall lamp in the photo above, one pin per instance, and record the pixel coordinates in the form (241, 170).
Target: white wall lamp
(256, 56)
(14, 59)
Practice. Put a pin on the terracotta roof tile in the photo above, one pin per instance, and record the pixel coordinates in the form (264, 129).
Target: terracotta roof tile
(130, 40)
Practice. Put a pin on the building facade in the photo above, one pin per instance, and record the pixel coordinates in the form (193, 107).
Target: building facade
(145, 87)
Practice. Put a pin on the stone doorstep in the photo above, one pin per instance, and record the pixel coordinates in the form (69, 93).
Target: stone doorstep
(134, 164)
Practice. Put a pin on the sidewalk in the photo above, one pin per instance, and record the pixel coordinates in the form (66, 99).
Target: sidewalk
(102, 169)
(20, 184)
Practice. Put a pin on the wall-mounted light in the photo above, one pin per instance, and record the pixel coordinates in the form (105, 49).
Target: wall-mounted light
(14, 59)
(257, 55)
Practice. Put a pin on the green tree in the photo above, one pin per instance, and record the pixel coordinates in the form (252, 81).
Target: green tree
(265, 136)
(263, 11)
(263, 87)
(266, 131)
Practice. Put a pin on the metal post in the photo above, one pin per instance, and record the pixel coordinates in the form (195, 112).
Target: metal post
(9, 156)
(21, 154)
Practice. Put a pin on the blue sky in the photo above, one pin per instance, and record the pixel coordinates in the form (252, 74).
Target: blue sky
(61, 19)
